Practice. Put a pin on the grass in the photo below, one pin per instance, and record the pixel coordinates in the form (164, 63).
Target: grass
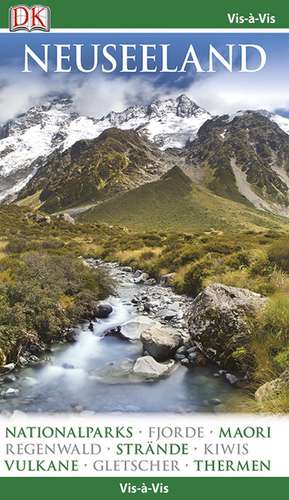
(32, 202)
(142, 255)
(174, 203)
(254, 258)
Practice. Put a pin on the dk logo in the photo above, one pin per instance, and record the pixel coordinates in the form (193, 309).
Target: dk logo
(26, 18)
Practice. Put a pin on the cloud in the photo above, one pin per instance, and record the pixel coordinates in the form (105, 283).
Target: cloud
(18, 92)
(219, 93)
(230, 92)
(99, 95)
(93, 96)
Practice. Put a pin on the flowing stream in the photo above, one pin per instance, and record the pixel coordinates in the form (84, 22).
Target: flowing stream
(69, 380)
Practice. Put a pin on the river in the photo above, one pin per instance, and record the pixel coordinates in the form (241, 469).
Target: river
(72, 381)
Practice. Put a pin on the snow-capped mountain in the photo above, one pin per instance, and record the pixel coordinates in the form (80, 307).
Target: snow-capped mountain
(32, 136)
(27, 140)
(247, 155)
(169, 123)
(281, 121)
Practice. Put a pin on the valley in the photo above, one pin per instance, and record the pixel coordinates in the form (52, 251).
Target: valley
(166, 218)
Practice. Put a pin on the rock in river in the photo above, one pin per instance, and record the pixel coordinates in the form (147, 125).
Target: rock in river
(134, 327)
(142, 278)
(11, 393)
(103, 310)
(117, 333)
(145, 368)
(148, 367)
(222, 318)
(114, 371)
(161, 342)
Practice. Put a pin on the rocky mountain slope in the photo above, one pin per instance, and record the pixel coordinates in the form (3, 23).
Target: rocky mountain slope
(26, 141)
(244, 157)
(92, 170)
(46, 153)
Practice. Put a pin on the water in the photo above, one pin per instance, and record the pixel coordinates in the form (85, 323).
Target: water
(69, 381)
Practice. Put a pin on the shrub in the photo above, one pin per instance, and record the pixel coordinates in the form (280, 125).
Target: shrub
(46, 293)
(271, 338)
(276, 318)
(17, 245)
(146, 255)
(52, 244)
(193, 280)
(259, 263)
(238, 260)
(281, 360)
(279, 254)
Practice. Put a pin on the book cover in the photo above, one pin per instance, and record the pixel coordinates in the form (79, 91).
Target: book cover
(144, 249)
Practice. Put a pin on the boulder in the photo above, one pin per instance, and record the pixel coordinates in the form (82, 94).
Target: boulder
(8, 368)
(232, 379)
(147, 307)
(160, 342)
(222, 319)
(10, 378)
(148, 367)
(215, 402)
(22, 361)
(39, 218)
(11, 393)
(103, 310)
(151, 282)
(114, 371)
(142, 278)
(169, 314)
(197, 359)
(179, 357)
(65, 218)
(133, 328)
(273, 389)
(68, 366)
(182, 350)
(117, 333)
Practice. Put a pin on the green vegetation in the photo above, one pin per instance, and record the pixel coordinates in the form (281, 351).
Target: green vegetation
(246, 260)
(271, 340)
(174, 203)
(45, 287)
(92, 170)
(199, 233)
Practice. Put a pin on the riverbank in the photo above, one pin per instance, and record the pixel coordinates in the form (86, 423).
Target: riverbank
(43, 295)
(93, 374)
(40, 300)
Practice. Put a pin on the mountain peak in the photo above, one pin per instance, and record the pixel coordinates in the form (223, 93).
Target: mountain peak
(26, 141)
(181, 106)
(247, 154)
(177, 173)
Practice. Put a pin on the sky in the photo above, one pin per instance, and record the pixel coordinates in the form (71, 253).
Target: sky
(98, 93)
